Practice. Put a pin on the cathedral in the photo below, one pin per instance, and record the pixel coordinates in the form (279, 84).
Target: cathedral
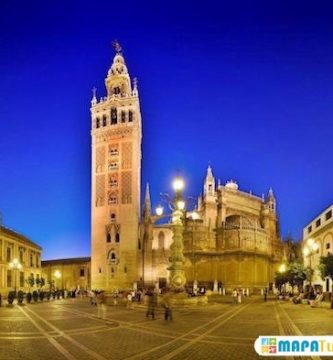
(232, 241)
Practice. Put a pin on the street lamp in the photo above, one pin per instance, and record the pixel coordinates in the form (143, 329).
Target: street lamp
(177, 259)
(15, 265)
(309, 249)
(57, 275)
(282, 268)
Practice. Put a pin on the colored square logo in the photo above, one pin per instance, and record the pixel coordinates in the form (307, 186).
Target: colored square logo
(272, 341)
(265, 349)
(264, 341)
(272, 350)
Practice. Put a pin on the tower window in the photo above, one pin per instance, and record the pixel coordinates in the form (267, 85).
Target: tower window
(113, 182)
(116, 90)
(117, 238)
(113, 165)
(112, 199)
(113, 116)
(100, 270)
(123, 116)
(113, 256)
(125, 269)
(104, 120)
(113, 217)
(113, 151)
(130, 116)
(81, 272)
(97, 123)
(108, 238)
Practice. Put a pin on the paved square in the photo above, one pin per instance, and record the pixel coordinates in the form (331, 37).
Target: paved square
(63, 330)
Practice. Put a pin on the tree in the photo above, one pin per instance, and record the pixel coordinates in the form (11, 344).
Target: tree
(326, 270)
(296, 274)
(30, 281)
(280, 279)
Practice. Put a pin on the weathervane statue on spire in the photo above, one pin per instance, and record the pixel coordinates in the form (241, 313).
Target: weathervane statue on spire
(116, 46)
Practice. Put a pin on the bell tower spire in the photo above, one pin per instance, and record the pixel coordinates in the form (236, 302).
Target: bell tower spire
(147, 205)
(116, 180)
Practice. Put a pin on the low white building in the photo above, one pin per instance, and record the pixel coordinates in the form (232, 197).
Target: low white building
(317, 242)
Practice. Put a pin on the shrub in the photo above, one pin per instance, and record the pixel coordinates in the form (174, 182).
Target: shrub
(11, 297)
(29, 296)
(35, 295)
(20, 296)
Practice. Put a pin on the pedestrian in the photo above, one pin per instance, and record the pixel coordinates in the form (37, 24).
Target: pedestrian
(138, 294)
(151, 305)
(167, 308)
(129, 300)
(265, 294)
(239, 296)
(101, 307)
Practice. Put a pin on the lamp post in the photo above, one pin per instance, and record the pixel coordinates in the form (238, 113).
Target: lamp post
(57, 275)
(177, 259)
(309, 249)
(15, 265)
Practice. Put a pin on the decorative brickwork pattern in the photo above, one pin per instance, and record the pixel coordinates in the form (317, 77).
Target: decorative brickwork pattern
(126, 187)
(100, 190)
(126, 155)
(100, 159)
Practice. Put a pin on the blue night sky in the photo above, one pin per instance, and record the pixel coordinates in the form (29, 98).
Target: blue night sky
(245, 86)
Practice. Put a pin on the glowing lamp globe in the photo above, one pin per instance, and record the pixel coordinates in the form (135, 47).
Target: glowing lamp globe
(178, 184)
(159, 210)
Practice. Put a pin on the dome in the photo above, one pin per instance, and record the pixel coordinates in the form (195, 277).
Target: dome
(232, 185)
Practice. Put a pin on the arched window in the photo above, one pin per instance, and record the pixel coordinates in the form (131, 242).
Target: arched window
(123, 116)
(104, 120)
(113, 116)
(130, 116)
(117, 238)
(161, 238)
(97, 123)
(113, 217)
(108, 237)
(113, 256)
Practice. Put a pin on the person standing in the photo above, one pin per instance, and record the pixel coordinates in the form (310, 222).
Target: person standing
(239, 296)
(101, 307)
(129, 300)
(265, 294)
(151, 304)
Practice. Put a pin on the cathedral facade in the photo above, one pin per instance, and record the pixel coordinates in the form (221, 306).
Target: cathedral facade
(233, 241)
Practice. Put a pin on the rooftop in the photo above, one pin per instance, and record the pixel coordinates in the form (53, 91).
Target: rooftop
(18, 236)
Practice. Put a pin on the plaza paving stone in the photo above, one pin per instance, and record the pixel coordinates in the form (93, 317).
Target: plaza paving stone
(63, 330)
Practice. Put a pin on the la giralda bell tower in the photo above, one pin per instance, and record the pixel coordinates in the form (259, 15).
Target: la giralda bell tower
(116, 180)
